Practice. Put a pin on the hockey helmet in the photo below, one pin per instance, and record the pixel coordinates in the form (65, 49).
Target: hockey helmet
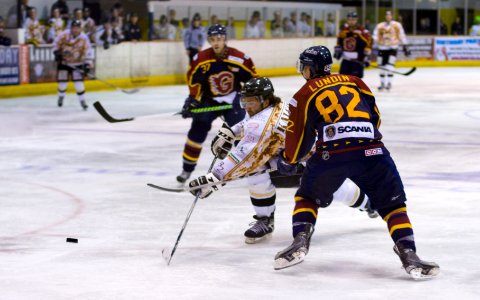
(216, 29)
(260, 87)
(76, 23)
(318, 58)
(352, 14)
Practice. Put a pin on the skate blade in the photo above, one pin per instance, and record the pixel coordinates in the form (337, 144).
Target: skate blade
(257, 240)
(282, 263)
(417, 274)
(167, 255)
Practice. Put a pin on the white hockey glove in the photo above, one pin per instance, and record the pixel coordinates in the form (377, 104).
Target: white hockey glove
(223, 142)
(203, 180)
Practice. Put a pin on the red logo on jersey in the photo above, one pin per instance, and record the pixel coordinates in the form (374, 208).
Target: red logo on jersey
(221, 83)
(349, 44)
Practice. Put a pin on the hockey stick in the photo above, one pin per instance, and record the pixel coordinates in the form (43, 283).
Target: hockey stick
(106, 116)
(168, 256)
(189, 189)
(129, 91)
(207, 109)
(385, 69)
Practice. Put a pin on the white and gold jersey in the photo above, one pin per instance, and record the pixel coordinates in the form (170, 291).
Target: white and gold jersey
(75, 50)
(389, 35)
(34, 31)
(261, 138)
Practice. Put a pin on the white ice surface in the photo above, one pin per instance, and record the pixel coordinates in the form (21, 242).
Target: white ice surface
(68, 173)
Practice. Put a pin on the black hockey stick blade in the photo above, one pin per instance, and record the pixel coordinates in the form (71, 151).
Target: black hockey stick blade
(106, 116)
(132, 91)
(174, 190)
(410, 72)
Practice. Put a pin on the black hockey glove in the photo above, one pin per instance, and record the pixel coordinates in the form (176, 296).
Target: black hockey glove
(284, 167)
(58, 56)
(202, 180)
(406, 51)
(190, 103)
(338, 52)
(223, 142)
(86, 68)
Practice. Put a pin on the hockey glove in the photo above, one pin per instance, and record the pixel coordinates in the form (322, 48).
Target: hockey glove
(223, 142)
(338, 52)
(206, 191)
(190, 103)
(58, 56)
(406, 51)
(284, 167)
(366, 61)
(86, 68)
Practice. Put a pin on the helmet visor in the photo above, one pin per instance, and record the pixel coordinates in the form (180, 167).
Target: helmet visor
(249, 101)
(300, 66)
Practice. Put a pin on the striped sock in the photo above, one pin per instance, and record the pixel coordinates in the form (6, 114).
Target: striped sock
(190, 155)
(399, 226)
(305, 211)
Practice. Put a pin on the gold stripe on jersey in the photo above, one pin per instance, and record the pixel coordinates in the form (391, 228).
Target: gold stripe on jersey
(252, 72)
(190, 78)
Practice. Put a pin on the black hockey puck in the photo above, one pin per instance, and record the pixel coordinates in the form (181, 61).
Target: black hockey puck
(72, 240)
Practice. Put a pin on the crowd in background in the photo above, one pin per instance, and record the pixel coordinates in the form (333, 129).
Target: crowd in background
(117, 26)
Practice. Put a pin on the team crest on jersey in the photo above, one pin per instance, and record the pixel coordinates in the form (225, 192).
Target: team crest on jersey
(350, 43)
(325, 155)
(330, 132)
(221, 83)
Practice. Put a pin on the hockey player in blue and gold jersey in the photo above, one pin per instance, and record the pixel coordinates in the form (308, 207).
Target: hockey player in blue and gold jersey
(214, 78)
(338, 113)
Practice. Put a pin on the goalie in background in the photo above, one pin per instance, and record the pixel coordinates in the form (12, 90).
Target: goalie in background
(261, 136)
(72, 52)
(354, 45)
(387, 37)
(214, 79)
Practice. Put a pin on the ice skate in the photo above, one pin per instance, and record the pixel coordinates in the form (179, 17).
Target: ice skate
(413, 265)
(83, 105)
(371, 213)
(296, 252)
(261, 229)
(60, 101)
(182, 178)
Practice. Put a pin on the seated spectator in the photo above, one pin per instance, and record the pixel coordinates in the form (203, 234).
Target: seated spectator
(77, 15)
(63, 7)
(4, 41)
(255, 28)
(214, 20)
(55, 24)
(443, 28)
(457, 27)
(33, 30)
(330, 26)
(165, 30)
(132, 30)
(106, 36)
(230, 27)
(116, 19)
(289, 30)
(90, 26)
(304, 29)
(276, 25)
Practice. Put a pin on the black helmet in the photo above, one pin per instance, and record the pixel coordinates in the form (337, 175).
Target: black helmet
(319, 58)
(216, 29)
(260, 87)
(76, 23)
(352, 14)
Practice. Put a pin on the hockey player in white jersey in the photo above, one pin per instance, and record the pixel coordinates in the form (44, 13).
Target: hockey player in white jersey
(73, 53)
(387, 38)
(261, 136)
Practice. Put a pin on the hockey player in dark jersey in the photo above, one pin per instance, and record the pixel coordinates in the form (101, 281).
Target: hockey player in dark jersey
(354, 45)
(214, 78)
(339, 113)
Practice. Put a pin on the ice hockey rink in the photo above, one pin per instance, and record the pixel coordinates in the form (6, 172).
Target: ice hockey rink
(69, 173)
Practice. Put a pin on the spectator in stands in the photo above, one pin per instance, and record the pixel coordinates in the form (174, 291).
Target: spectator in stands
(172, 14)
(77, 15)
(33, 30)
(116, 19)
(214, 20)
(255, 28)
(318, 29)
(63, 7)
(304, 28)
(330, 26)
(443, 28)
(55, 24)
(276, 25)
(475, 31)
(287, 28)
(194, 37)
(165, 30)
(457, 27)
(4, 41)
(13, 19)
(132, 30)
(230, 27)
(292, 25)
(90, 26)
(106, 36)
